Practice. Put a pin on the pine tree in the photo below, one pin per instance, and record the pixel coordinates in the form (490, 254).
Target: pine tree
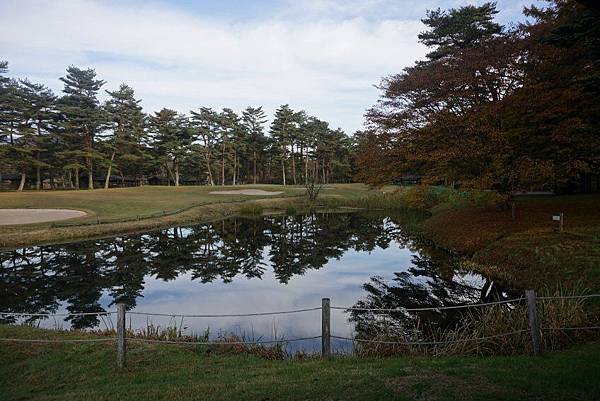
(206, 123)
(40, 116)
(229, 126)
(82, 116)
(281, 132)
(10, 118)
(127, 123)
(172, 137)
(253, 120)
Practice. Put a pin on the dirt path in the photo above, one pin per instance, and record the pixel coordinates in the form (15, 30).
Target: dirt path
(28, 216)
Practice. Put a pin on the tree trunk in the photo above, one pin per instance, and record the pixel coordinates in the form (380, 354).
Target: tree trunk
(208, 170)
(223, 165)
(22, 183)
(254, 166)
(234, 165)
(77, 178)
(283, 170)
(176, 174)
(293, 165)
(90, 175)
(38, 175)
(306, 170)
(107, 181)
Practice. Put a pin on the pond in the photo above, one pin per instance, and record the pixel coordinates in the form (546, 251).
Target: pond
(242, 265)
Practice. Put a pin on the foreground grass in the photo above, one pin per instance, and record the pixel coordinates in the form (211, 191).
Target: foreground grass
(129, 203)
(163, 372)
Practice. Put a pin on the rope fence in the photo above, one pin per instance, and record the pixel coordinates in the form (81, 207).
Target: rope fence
(359, 340)
(58, 341)
(259, 342)
(227, 315)
(58, 314)
(431, 308)
(534, 327)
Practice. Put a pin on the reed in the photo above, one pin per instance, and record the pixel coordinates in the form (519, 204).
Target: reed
(481, 330)
(251, 210)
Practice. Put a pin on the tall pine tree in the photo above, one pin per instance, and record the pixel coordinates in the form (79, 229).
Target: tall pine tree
(82, 116)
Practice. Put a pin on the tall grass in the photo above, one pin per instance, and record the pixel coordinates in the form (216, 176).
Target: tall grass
(420, 197)
(251, 210)
(481, 331)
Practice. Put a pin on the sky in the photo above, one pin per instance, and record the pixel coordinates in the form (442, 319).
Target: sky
(322, 56)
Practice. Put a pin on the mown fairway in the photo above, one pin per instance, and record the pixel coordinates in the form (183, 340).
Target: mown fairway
(128, 202)
(131, 203)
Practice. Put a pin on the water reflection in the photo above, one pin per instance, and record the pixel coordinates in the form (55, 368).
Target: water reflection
(241, 265)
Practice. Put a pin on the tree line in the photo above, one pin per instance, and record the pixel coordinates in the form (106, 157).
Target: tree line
(75, 140)
(493, 107)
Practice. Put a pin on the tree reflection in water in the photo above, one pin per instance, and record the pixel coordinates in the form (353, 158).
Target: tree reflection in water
(41, 279)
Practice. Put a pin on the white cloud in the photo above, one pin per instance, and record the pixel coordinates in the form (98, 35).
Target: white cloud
(183, 61)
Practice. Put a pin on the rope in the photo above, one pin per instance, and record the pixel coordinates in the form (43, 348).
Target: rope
(89, 340)
(227, 315)
(572, 328)
(57, 314)
(431, 342)
(144, 340)
(428, 308)
(571, 297)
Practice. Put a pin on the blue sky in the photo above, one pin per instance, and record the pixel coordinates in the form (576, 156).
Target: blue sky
(323, 56)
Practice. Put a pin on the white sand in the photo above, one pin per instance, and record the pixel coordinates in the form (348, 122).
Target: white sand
(256, 192)
(28, 216)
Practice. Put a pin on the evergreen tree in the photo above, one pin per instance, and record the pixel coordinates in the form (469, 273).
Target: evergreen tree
(282, 129)
(228, 129)
(253, 120)
(127, 123)
(40, 115)
(172, 137)
(206, 122)
(82, 116)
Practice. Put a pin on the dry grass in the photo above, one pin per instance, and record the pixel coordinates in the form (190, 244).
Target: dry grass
(529, 251)
(480, 331)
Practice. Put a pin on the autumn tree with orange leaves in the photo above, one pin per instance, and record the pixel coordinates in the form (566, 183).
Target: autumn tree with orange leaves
(491, 107)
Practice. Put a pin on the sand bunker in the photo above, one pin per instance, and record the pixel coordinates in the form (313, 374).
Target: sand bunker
(256, 192)
(28, 216)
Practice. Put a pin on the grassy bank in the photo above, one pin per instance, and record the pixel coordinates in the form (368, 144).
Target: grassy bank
(527, 251)
(163, 372)
(130, 203)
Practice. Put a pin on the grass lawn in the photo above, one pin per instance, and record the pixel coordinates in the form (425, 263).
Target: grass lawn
(528, 251)
(163, 372)
(128, 203)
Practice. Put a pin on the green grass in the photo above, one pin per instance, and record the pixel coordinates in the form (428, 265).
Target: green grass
(163, 372)
(129, 203)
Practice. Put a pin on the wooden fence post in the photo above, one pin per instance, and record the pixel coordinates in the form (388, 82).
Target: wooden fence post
(562, 219)
(534, 324)
(325, 328)
(120, 336)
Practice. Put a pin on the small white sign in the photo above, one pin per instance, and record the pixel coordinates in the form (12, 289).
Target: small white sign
(556, 218)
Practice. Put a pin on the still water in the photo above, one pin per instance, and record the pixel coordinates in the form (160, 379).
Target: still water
(241, 265)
